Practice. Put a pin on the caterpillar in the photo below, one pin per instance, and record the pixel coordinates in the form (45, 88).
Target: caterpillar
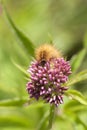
(45, 53)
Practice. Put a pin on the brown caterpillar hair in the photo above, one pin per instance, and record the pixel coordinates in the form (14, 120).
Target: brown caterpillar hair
(46, 52)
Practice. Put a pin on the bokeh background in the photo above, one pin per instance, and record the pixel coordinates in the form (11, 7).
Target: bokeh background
(63, 22)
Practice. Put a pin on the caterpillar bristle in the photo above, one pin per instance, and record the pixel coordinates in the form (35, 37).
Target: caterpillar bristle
(46, 52)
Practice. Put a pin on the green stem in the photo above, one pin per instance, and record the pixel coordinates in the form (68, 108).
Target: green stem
(51, 117)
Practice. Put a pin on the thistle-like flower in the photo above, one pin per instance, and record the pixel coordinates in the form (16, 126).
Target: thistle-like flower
(47, 80)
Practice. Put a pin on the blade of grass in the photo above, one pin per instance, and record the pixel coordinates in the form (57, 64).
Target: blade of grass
(77, 96)
(26, 43)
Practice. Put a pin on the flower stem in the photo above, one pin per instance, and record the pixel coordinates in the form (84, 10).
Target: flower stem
(51, 117)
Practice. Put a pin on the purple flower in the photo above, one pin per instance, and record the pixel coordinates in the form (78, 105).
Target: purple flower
(47, 82)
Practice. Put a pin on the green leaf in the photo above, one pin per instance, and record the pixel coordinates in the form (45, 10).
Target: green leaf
(81, 76)
(14, 117)
(74, 106)
(21, 69)
(13, 102)
(77, 96)
(14, 122)
(19, 102)
(80, 121)
(22, 38)
(85, 41)
(43, 120)
(76, 60)
(50, 39)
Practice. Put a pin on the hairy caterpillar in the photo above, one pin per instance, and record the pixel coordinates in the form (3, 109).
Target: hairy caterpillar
(45, 53)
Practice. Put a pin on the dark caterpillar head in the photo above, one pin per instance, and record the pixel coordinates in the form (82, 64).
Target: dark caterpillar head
(43, 62)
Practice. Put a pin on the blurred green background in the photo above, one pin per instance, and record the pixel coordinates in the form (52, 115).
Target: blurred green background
(63, 22)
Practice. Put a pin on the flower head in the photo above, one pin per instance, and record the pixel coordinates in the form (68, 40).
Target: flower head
(47, 81)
